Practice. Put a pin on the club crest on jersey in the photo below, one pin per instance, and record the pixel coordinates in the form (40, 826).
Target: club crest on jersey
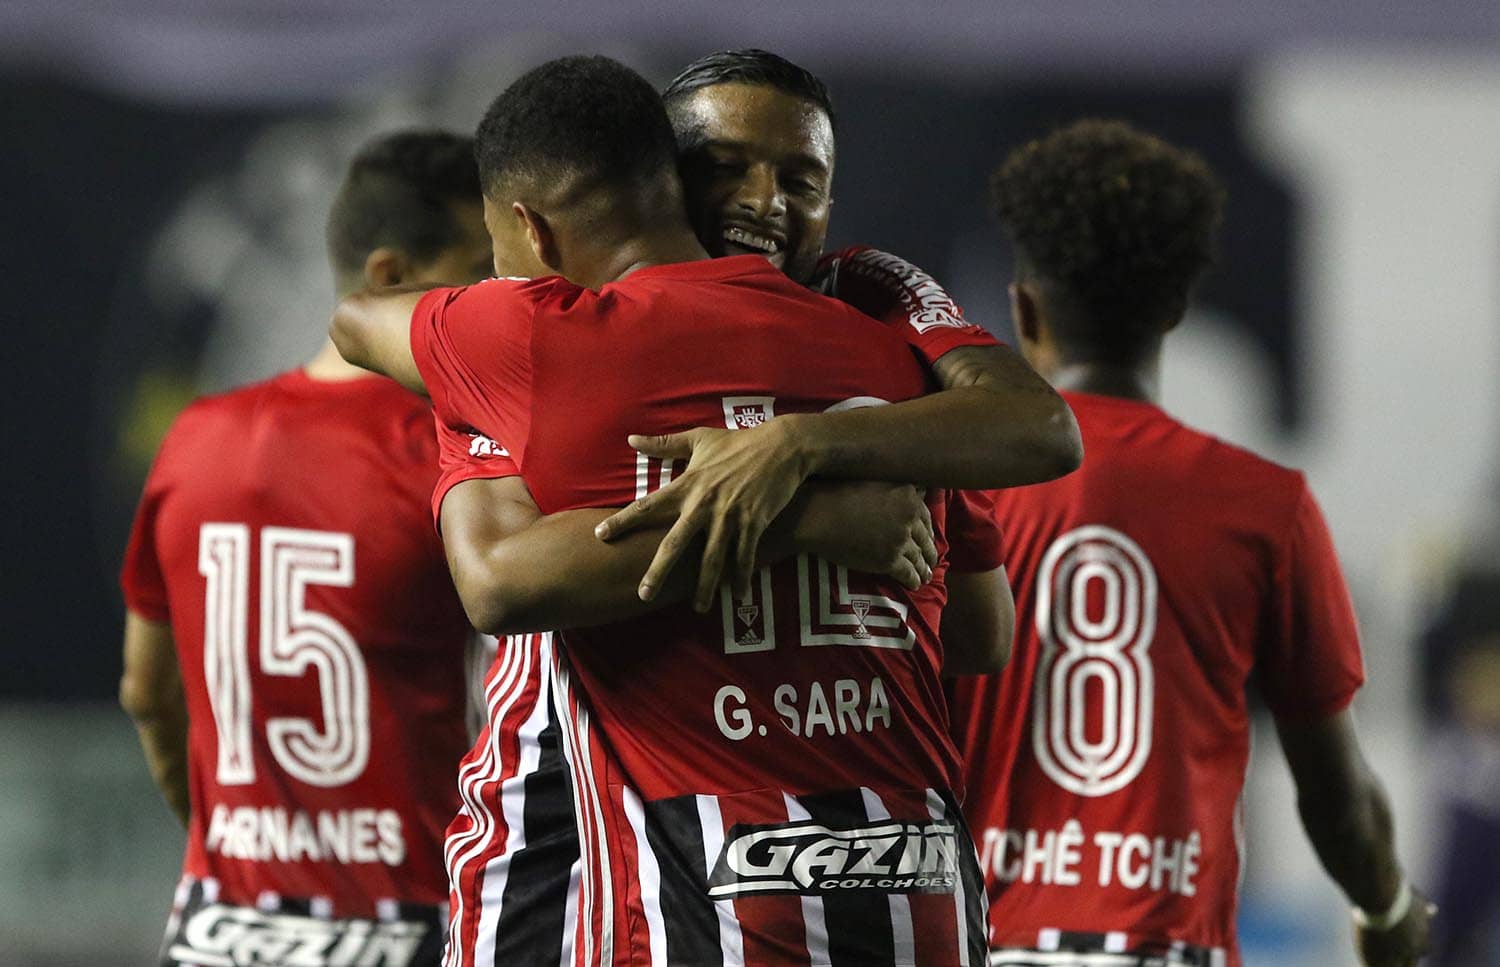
(813, 859)
(748, 613)
(746, 412)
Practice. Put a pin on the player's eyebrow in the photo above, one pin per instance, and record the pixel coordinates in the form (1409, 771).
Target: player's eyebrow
(800, 159)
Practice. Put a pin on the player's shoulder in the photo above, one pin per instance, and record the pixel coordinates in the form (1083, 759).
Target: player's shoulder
(1239, 465)
(289, 395)
(507, 291)
(211, 409)
(1146, 432)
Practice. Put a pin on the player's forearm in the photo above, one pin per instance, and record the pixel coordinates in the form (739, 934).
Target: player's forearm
(161, 722)
(1352, 832)
(972, 437)
(556, 574)
(979, 623)
(164, 742)
(151, 694)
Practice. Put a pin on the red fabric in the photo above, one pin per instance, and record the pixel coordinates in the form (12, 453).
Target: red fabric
(465, 454)
(976, 542)
(1229, 558)
(291, 469)
(560, 376)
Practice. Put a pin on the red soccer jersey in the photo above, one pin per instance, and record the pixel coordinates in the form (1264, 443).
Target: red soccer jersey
(284, 534)
(740, 799)
(883, 286)
(1106, 762)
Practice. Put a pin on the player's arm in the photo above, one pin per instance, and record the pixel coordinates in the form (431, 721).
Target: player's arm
(1028, 435)
(517, 570)
(979, 623)
(995, 424)
(151, 692)
(1347, 817)
(1309, 667)
(372, 327)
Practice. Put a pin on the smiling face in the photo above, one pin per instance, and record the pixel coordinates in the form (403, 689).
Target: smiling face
(757, 164)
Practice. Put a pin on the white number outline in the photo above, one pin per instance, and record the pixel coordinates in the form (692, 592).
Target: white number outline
(293, 637)
(1113, 650)
(224, 562)
(830, 613)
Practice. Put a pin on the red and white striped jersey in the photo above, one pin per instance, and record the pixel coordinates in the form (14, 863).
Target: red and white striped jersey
(512, 851)
(528, 780)
(829, 769)
(1106, 762)
(283, 533)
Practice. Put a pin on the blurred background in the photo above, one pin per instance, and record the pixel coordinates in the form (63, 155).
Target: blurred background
(167, 169)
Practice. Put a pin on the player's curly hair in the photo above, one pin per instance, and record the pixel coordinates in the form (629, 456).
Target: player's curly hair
(398, 192)
(747, 65)
(1117, 224)
(591, 117)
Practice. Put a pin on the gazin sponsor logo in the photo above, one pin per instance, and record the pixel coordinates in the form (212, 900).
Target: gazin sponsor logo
(810, 858)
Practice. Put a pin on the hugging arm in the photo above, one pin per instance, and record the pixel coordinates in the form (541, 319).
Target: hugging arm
(518, 570)
(372, 330)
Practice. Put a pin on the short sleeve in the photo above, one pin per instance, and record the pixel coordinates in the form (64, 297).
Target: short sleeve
(898, 293)
(973, 533)
(472, 347)
(1310, 664)
(141, 579)
(465, 454)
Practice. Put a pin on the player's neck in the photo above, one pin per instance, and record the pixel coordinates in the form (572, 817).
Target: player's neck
(329, 366)
(644, 252)
(1141, 381)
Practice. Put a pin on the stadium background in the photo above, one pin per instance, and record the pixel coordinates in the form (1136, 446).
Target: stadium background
(167, 168)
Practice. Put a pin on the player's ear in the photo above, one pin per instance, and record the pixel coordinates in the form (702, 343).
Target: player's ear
(1025, 311)
(385, 266)
(538, 235)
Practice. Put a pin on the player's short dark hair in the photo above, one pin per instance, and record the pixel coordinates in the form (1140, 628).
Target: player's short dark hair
(589, 117)
(1120, 221)
(748, 65)
(399, 192)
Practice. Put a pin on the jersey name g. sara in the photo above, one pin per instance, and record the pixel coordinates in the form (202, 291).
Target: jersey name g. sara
(284, 535)
(1105, 763)
(773, 781)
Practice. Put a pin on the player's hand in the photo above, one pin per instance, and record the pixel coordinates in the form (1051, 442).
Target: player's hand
(1401, 945)
(880, 528)
(734, 486)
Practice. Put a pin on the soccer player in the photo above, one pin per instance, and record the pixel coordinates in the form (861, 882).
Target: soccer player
(596, 201)
(1105, 764)
(294, 647)
(757, 136)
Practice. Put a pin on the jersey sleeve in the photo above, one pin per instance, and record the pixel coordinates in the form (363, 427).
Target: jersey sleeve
(141, 579)
(973, 532)
(1310, 663)
(472, 347)
(898, 293)
(466, 454)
